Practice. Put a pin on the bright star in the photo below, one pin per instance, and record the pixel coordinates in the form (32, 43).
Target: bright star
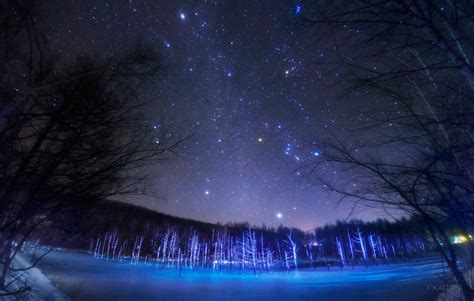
(182, 16)
(206, 192)
(260, 139)
(298, 9)
(288, 149)
(279, 215)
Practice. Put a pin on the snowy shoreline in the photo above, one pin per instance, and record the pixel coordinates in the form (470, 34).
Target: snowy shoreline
(42, 288)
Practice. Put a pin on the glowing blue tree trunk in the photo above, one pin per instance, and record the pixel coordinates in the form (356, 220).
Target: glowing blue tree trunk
(194, 250)
(309, 253)
(173, 246)
(287, 261)
(373, 246)
(164, 248)
(383, 248)
(136, 251)
(359, 239)
(351, 248)
(340, 251)
(293, 247)
(244, 248)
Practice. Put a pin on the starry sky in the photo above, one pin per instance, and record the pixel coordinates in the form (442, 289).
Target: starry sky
(247, 78)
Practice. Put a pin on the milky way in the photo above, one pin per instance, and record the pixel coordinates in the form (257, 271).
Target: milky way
(245, 76)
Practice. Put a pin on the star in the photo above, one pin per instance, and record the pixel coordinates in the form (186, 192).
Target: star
(249, 96)
(298, 9)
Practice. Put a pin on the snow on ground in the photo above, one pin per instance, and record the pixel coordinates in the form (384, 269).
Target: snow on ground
(84, 278)
(453, 292)
(41, 286)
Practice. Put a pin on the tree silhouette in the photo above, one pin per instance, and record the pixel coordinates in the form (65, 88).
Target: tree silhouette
(69, 133)
(415, 59)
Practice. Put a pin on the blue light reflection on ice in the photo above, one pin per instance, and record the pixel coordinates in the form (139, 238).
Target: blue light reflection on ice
(107, 280)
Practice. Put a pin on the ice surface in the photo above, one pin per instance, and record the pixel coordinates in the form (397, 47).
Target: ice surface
(85, 278)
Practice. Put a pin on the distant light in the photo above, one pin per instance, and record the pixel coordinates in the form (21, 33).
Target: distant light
(315, 153)
(182, 16)
(168, 45)
(460, 239)
(287, 72)
(260, 139)
(279, 215)
(206, 192)
(229, 74)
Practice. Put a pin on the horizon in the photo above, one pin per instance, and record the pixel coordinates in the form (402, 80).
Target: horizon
(236, 150)
(388, 218)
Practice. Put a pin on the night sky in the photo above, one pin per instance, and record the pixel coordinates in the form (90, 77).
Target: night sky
(247, 78)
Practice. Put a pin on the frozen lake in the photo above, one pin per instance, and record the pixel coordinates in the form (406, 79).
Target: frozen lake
(84, 278)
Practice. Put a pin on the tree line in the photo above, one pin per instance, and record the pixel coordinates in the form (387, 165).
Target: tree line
(165, 241)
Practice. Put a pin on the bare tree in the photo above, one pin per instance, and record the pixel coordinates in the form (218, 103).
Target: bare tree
(69, 134)
(415, 58)
(291, 244)
(340, 251)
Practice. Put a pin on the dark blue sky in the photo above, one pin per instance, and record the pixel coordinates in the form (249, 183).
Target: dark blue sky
(248, 78)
